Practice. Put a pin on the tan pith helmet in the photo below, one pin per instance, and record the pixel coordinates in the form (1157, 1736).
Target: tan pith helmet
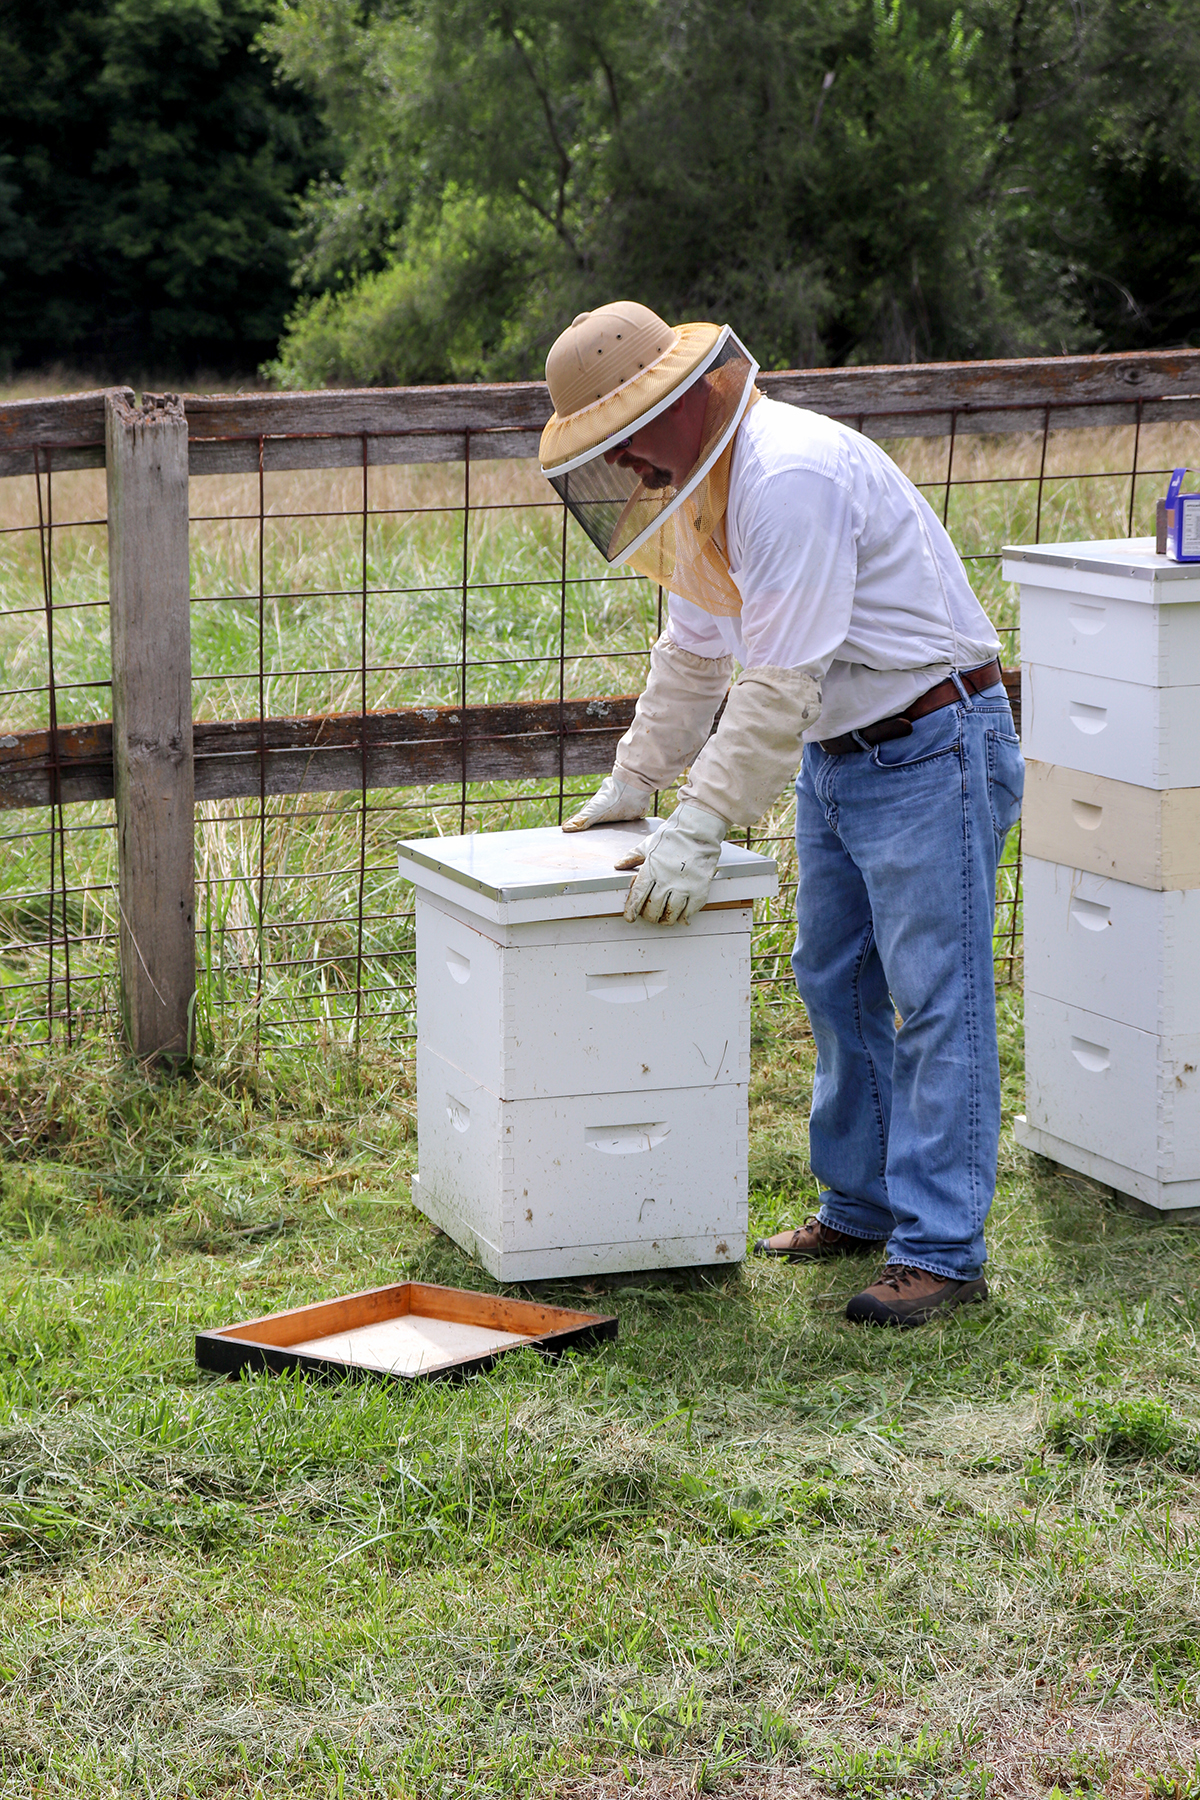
(609, 368)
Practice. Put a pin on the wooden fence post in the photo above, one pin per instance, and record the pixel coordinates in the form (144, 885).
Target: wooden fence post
(146, 456)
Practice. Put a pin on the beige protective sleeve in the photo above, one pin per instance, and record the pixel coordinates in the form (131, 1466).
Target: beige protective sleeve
(674, 715)
(756, 749)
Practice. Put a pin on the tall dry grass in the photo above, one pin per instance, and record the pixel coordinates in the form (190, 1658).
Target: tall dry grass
(293, 939)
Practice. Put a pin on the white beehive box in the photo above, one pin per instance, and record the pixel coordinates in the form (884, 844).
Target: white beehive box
(563, 1006)
(581, 1082)
(1128, 953)
(1132, 1097)
(1111, 878)
(1152, 644)
(1110, 660)
(1111, 608)
(1124, 730)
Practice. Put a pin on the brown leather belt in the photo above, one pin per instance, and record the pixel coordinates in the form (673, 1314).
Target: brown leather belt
(901, 724)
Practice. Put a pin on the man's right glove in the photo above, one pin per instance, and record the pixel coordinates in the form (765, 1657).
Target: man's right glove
(675, 867)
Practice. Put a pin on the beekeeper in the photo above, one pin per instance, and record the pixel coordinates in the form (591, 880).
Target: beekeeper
(794, 547)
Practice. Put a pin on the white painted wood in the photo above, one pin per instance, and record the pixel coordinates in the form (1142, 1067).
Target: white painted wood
(410, 1345)
(581, 1082)
(607, 928)
(1129, 953)
(1125, 730)
(508, 1178)
(628, 1011)
(1166, 1196)
(1122, 568)
(1137, 834)
(1131, 1096)
(571, 1260)
(513, 877)
(153, 765)
(1095, 634)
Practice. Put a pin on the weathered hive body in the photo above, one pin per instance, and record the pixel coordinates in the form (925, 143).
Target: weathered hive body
(581, 1082)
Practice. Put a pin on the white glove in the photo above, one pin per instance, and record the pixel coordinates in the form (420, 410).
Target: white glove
(615, 799)
(756, 749)
(677, 865)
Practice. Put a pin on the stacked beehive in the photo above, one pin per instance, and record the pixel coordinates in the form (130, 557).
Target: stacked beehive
(1110, 699)
(581, 1082)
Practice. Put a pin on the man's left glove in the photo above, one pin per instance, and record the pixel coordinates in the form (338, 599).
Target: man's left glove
(677, 865)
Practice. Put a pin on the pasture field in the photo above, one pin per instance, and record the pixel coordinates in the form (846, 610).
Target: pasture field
(745, 1550)
(295, 911)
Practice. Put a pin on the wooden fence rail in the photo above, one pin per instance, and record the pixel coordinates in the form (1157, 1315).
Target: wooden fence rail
(157, 764)
(426, 424)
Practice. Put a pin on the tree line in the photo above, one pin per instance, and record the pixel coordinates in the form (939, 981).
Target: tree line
(363, 191)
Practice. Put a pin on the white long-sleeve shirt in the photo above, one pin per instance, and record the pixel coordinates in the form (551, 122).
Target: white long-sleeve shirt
(844, 571)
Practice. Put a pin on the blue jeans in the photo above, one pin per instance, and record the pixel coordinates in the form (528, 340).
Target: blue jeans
(897, 848)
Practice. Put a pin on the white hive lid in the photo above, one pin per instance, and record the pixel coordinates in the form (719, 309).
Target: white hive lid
(549, 873)
(1107, 560)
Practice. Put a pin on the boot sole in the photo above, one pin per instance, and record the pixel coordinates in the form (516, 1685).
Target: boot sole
(920, 1314)
(763, 1248)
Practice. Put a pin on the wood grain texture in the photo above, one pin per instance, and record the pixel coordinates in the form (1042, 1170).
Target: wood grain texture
(152, 722)
(323, 1318)
(324, 429)
(68, 429)
(240, 456)
(1149, 837)
(418, 747)
(323, 754)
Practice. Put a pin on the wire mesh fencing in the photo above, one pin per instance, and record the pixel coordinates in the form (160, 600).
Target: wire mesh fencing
(339, 612)
(58, 891)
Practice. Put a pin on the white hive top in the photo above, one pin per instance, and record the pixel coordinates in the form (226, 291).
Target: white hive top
(548, 873)
(1104, 561)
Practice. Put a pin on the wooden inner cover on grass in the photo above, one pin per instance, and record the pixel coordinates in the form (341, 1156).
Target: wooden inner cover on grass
(458, 1328)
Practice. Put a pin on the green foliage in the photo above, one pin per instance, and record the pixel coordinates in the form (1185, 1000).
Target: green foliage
(439, 314)
(148, 162)
(864, 180)
(1143, 1429)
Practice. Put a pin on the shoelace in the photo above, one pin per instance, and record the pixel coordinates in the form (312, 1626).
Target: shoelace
(898, 1276)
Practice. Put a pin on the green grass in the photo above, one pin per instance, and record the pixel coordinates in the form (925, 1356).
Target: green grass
(746, 1549)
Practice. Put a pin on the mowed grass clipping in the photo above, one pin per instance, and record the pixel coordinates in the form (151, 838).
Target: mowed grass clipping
(747, 1549)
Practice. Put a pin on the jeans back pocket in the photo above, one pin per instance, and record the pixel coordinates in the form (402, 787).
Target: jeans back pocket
(1006, 781)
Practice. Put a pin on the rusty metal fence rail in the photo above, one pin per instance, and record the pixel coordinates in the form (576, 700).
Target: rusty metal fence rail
(390, 631)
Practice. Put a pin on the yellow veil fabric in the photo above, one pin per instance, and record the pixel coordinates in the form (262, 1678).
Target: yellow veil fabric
(684, 555)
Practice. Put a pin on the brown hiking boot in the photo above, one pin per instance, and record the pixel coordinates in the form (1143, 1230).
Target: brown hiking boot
(813, 1242)
(907, 1297)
